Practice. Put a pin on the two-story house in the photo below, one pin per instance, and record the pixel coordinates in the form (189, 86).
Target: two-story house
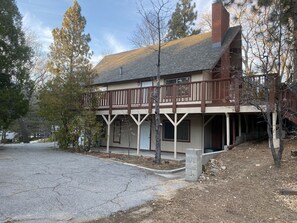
(199, 101)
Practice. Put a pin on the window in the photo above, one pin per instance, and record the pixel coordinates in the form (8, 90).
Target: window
(117, 131)
(183, 88)
(183, 131)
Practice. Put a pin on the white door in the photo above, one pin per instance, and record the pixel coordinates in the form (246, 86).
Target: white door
(145, 84)
(145, 135)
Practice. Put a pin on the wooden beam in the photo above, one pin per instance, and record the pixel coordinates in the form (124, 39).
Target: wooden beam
(206, 123)
(108, 122)
(228, 128)
(174, 98)
(203, 94)
(138, 122)
(110, 102)
(150, 101)
(175, 123)
(129, 101)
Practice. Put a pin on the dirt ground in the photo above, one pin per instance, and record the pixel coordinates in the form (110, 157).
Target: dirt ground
(141, 160)
(241, 185)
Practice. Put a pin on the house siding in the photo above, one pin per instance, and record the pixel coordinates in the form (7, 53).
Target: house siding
(195, 136)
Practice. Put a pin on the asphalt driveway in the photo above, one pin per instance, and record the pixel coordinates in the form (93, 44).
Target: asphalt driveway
(41, 184)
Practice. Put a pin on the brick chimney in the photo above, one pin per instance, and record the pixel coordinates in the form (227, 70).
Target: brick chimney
(220, 23)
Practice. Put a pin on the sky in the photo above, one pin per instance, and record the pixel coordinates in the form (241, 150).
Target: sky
(110, 23)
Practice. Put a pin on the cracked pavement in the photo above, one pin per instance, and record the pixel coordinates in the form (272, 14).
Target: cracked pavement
(41, 184)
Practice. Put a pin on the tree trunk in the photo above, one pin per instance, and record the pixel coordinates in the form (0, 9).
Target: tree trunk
(157, 116)
(24, 131)
(157, 101)
(269, 119)
(295, 40)
(270, 137)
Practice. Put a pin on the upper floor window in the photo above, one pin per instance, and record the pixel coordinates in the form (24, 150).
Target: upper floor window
(183, 88)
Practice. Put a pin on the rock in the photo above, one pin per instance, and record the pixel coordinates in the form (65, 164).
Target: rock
(294, 153)
(214, 170)
(202, 177)
(223, 167)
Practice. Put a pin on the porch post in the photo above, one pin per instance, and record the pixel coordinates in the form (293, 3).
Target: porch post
(108, 134)
(138, 134)
(175, 134)
(175, 123)
(108, 122)
(228, 128)
(202, 134)
(138, 123)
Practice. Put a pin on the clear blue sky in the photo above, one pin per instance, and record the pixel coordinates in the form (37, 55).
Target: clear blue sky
(110, 23)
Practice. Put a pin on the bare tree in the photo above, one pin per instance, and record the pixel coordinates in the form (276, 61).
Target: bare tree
(31, 122)
(144, 35)
(295, 38)
(258, 33)
(268, 43)
(205, 21)
(156, 19)
(38, 72)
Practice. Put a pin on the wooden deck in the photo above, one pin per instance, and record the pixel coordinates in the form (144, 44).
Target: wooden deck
(233, 92)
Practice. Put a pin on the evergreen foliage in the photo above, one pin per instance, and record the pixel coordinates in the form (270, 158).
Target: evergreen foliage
(183, 20)
(15, 57)
(60, 100)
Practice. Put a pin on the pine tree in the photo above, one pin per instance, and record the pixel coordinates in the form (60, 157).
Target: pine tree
(69, 61)
(182, 20)
(14, 65)
(70, 52)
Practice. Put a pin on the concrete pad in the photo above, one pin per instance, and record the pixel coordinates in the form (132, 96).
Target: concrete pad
(41, 184)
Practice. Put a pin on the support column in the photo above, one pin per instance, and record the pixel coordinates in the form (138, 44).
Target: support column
(203, 133)
(175, 123)
(108, 121)
(228, 128)
(138, 122)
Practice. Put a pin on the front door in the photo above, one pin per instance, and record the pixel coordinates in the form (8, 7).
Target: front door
(145, 135)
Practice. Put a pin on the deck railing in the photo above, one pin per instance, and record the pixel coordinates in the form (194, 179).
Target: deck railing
(194, 94)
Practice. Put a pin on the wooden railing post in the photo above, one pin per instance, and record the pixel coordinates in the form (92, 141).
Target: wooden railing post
(150, 101)
(129, 101)
(110, 102)
(203, 94)
(174, 98)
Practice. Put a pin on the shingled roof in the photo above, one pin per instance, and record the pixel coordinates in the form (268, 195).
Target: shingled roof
(194, 53)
